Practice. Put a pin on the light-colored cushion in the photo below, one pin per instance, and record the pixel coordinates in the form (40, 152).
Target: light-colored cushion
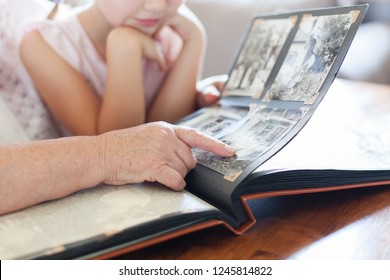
(10, 130)
(24, 9)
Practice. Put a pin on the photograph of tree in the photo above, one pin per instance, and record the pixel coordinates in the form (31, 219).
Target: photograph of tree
(310, 57)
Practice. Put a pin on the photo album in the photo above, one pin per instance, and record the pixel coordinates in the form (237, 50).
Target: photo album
(282, 71)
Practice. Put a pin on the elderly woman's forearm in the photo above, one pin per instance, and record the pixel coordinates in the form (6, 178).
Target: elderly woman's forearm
(38, 171)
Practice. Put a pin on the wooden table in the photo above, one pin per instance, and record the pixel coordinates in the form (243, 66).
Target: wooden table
(349, 224)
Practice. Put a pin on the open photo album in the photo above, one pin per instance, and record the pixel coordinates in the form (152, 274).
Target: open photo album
(282, 71)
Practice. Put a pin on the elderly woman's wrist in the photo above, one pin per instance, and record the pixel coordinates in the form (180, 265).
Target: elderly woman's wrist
(103, 164)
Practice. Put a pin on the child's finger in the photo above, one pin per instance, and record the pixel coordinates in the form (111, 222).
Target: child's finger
(207, 96)
(160, 57)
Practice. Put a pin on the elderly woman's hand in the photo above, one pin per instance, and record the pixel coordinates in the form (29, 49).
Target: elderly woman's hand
(155, 152)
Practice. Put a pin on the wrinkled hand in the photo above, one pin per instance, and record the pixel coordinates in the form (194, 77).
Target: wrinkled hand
(155, 152)
(209, 90)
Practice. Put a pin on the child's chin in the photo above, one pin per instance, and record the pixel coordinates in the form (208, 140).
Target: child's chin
(150, 31)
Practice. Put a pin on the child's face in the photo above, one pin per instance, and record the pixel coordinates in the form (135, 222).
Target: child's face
(145, 15)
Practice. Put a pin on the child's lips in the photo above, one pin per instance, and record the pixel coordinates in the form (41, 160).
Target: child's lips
(150, 22)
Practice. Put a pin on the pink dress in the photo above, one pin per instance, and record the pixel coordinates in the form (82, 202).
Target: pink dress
(69, 39)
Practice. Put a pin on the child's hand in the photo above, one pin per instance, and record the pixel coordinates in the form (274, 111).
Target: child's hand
(186, 24)
(209, 90)
(125, 36)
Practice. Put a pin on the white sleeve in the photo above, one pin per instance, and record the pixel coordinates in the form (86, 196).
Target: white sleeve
(61, 37)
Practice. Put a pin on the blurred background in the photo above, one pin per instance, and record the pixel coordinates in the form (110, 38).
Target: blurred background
(226, 22)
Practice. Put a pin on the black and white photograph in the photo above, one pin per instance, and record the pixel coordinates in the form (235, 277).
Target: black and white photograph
(310, 57)
(252, 137)
(215, 121)
(258, 56)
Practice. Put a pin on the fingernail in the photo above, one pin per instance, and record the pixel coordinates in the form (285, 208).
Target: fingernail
(230, 149)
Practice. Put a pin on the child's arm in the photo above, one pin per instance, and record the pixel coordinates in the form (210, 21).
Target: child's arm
(65, 91)
(70, 97)
(177, 97)
(124, 100)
